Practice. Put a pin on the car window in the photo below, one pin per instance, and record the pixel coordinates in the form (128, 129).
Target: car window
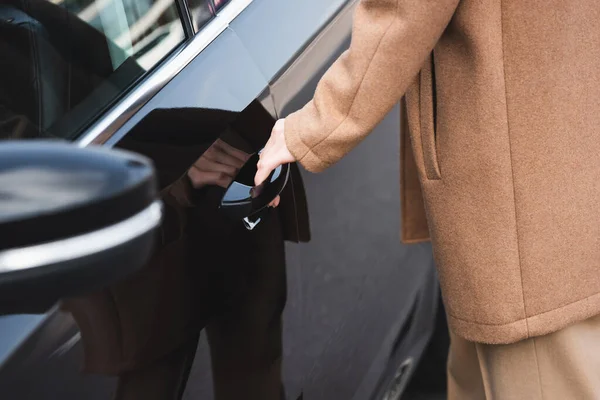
(220, 3)
(201, 12)
(65, 61)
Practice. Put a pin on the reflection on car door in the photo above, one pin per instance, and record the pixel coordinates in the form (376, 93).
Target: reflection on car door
(65, 63)
(210, 272)
(180, 85)
(137, 339)
(361, 305)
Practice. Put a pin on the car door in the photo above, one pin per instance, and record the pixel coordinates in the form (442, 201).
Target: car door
(90, 71)
(172, 77)
(361, 304)
(64, 63)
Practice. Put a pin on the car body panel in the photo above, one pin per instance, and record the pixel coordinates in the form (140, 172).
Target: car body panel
(354, 284)
(308, 37)
(15, 329)
(49, 351)
(359, 302)
(287, 27)
(340, 228)
(222, 77)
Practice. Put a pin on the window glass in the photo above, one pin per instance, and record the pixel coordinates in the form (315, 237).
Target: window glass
(201, 11)
(65, 61)
(220, 3)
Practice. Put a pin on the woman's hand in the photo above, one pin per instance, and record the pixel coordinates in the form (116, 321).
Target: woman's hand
(274, 154)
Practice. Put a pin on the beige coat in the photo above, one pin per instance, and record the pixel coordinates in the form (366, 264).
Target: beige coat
(503, 106)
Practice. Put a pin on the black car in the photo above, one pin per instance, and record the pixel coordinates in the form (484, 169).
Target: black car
(191, 302)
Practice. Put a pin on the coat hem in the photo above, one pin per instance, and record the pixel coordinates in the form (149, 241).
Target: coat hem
(533, 326)
(415, 240)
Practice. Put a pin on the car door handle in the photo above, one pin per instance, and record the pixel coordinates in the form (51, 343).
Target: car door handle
(245, 202)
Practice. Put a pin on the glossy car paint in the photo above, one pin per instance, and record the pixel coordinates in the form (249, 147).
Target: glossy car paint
(222, 77)
(359, 304)
(333, 269)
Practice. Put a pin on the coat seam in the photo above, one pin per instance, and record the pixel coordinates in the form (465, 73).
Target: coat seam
(485, 323)
(334, 130)
(526, 318)
(512, 168)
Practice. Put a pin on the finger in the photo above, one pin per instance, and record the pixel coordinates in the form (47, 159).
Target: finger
(262, 173)
(279, 126)
(216, 154)
(232, 151)
(200, 179)
(275, 202)
(206, 165)
(267, 164)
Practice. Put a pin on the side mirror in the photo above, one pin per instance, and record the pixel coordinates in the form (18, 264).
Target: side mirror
(243, 201)
(72, 220)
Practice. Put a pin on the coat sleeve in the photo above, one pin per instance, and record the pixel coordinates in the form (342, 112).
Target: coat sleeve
(390, 41)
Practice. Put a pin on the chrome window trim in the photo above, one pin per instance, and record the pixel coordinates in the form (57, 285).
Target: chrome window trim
(119, 114)
(186, 18)
(87, 244)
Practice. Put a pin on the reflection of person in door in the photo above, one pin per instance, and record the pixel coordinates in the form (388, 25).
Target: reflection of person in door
(220, 3)
(209, 273)
(218, 166)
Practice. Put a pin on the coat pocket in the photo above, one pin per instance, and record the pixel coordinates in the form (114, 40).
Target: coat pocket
(414, 219)
(427, 119)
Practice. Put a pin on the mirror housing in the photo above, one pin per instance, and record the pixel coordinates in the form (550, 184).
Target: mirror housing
(72, 220)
